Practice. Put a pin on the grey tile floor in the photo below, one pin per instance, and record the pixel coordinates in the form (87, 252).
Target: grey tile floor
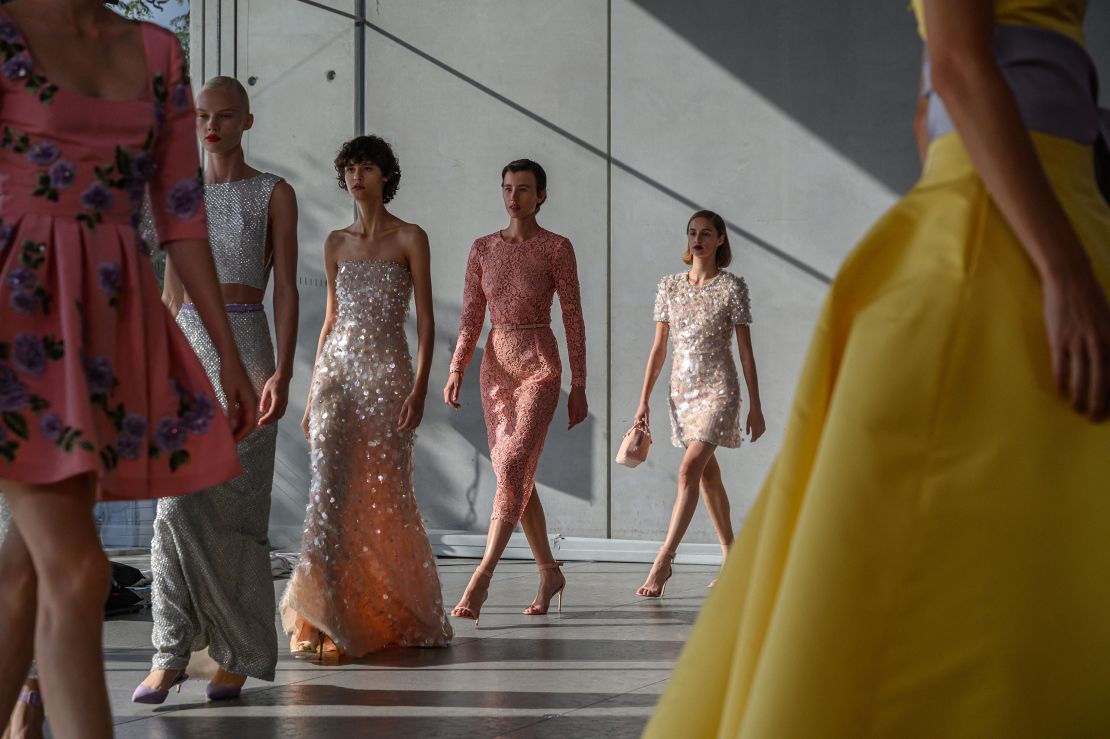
(595, 670)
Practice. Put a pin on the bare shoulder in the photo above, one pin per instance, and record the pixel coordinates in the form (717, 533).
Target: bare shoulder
(411, 235)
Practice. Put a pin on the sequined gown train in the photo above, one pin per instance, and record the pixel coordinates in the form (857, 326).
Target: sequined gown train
(366, 576)
(211, 551)
(521, 371)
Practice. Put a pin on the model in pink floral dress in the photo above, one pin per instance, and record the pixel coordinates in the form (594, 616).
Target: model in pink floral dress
(521, 372)
(95, 376)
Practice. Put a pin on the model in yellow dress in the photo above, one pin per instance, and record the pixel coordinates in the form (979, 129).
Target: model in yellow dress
(930, 555)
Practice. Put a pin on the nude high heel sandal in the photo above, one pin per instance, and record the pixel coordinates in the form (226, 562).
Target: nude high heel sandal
(534, 610)
(644, 592)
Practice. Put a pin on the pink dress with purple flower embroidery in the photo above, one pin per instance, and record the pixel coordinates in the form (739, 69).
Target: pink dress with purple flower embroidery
(95, 376)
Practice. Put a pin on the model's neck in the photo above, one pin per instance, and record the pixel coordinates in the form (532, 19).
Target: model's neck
(227, 167)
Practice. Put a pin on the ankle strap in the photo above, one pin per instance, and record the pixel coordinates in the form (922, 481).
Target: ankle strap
(669, 552)
(550, 565)
(30, 697)
(483, 571)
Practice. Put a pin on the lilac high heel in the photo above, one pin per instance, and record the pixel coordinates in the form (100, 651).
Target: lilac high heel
(153, 697)
(222, 692)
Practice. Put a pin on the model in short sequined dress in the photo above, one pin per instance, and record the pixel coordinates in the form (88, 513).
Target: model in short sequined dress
(367, 579)
(210, 554)
(700, 311)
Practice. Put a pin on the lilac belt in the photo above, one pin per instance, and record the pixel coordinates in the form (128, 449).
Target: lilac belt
(1056, 87)
(231, 307)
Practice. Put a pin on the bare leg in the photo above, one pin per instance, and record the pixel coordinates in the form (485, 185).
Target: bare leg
(56, 524)
(18, 599)
(698, 454)
(716, 502)
(535, 529)
(470, 605)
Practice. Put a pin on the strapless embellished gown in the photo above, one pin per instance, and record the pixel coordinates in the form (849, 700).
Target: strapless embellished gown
(367, 576)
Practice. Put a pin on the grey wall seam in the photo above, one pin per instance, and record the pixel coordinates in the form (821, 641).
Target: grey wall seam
(609, 271)
(235, 40)
(360, 68)
(219, 37)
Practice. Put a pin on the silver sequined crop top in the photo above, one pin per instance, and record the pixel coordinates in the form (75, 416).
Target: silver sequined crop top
(238, 215)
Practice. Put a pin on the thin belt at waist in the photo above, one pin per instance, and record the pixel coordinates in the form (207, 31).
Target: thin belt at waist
(519, 326)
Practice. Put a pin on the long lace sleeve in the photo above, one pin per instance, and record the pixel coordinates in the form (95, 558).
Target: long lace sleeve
(566, 285)
(473, 312)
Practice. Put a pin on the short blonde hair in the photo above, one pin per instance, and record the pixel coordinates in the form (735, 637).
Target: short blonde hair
(230, 83)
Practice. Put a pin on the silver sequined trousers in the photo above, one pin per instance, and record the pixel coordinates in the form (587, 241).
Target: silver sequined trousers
(211, 553)
(367, 576)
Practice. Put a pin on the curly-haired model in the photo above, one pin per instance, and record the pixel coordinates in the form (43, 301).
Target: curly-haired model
(370, 149)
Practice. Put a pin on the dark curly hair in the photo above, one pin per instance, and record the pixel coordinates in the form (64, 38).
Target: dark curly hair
(370, 149)
(527, 165)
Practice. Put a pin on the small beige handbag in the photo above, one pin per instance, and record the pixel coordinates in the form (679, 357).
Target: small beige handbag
(634, 448)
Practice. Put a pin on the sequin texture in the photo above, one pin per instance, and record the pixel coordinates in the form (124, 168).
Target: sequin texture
(366, 575)
(705, 388)
(238, 213)
(211, 551)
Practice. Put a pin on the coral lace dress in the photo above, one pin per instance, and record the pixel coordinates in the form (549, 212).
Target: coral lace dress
(95, 376)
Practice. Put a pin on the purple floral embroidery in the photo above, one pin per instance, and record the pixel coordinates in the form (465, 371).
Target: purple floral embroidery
(17, 68)
(180, 98)
(134, 425)
(97, 196)
(61, 174)
(143, 167)
(129, 447)
(9, 34)
(51, 426)
(29, 354)
(199, 416)
(42, 153)
(6, 231)
(26, 301)
(169, 434)
(110, 276)
(98, 375)
(21, 278)
(184, 198)
(143, 247)
(13, 393)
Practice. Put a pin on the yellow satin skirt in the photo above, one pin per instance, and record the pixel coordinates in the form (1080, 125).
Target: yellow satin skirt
(930, 555)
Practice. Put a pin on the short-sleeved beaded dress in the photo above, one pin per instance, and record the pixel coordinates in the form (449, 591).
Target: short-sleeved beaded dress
(95, 376)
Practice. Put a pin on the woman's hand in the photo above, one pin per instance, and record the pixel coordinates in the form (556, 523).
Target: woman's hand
(756, 424)
(1077, 319)
(451, 390)
(275, 398)
(577, 407)
(643, 415)
(241, 400)
(305, 418)
(412, 411)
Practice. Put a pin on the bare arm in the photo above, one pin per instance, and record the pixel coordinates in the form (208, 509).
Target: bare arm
(173, 292)
(921, 121)
(756, 425)
(192, 262)
(331, 268)
(283, 236)
(986, 116)
(656, 357)
(420, 266)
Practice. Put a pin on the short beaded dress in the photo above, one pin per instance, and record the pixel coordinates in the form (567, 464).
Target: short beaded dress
(95, 376)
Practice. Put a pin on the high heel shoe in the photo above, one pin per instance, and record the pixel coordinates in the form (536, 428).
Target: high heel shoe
(471, 612)
(644, 592)
(27, 716)
(534, 610)
(222, 692)
(153, 697)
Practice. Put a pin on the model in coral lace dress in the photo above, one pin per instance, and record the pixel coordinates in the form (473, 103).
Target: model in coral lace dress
(517, 273)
